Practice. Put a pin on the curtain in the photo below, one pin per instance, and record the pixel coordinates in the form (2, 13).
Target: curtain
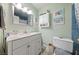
(77, 13)
(75, 29)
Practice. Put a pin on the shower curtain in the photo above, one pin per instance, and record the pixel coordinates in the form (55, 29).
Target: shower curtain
(75, 29)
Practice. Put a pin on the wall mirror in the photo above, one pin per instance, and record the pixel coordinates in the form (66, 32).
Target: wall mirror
(22, 15)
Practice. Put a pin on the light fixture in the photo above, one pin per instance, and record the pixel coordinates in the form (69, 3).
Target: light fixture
(25, 9)
(29, 12)
(19, 6)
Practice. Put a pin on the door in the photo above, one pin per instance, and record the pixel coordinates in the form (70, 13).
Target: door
(32, 47)
(37, 46)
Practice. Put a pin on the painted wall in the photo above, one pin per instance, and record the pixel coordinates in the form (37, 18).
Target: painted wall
(48, 33)
(10, 27)
(8, 16)
(57, 30)
(1, 40)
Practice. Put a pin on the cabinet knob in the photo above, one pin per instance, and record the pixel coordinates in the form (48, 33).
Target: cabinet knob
(28, 46)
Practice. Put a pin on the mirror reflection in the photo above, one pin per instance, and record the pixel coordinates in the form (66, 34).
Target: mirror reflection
(22, 15)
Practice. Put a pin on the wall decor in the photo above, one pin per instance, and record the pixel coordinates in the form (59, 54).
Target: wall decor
(44, 20)
(22, 17)
(58, 16)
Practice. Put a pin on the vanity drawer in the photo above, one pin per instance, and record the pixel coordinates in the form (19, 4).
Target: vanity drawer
(19, 42)
(35, 37)
(20, 51)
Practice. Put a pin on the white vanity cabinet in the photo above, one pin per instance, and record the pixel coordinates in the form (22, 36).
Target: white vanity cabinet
(35, 47)
(21, 51)
(28, 45)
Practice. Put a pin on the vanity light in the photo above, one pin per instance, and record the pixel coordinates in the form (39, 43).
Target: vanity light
(25, 9)
(29, 12)
(19, 6)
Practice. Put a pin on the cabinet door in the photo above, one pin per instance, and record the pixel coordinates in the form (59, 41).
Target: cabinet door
(10, 50)
(37, 46)
(32, 48)
(21, 51)
(19, 42)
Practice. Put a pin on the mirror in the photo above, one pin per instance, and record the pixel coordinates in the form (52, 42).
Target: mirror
(22, 15)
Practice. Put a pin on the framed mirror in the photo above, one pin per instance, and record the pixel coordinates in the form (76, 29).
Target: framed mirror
(22, 15)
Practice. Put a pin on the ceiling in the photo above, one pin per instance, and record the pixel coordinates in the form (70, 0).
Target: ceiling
(39, 5)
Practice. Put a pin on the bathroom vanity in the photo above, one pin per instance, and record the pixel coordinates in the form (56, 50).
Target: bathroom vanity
(24, 44)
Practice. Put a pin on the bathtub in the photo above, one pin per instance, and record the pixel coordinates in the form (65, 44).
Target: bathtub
(63, 43)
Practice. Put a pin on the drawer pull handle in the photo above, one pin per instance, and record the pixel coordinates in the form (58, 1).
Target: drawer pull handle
(28, 46)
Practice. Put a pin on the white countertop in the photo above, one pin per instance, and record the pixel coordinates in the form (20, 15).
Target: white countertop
(20, 35)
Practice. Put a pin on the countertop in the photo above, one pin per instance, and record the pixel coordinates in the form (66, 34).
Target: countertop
(20, 35)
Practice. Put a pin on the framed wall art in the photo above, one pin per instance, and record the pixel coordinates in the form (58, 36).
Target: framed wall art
(44, 20)
(58, 16)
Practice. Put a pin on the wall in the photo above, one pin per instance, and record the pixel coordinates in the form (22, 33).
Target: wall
(57, 30)
(10, 27)
(48, 33)
(19, 28)
(1, 40)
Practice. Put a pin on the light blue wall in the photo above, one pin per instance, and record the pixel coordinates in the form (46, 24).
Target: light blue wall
(1, 41)
(19, 28)
(57, 30)
(10, 27)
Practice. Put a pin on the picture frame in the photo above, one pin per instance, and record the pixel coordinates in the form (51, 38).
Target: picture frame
(58, 16)
(44, 20)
